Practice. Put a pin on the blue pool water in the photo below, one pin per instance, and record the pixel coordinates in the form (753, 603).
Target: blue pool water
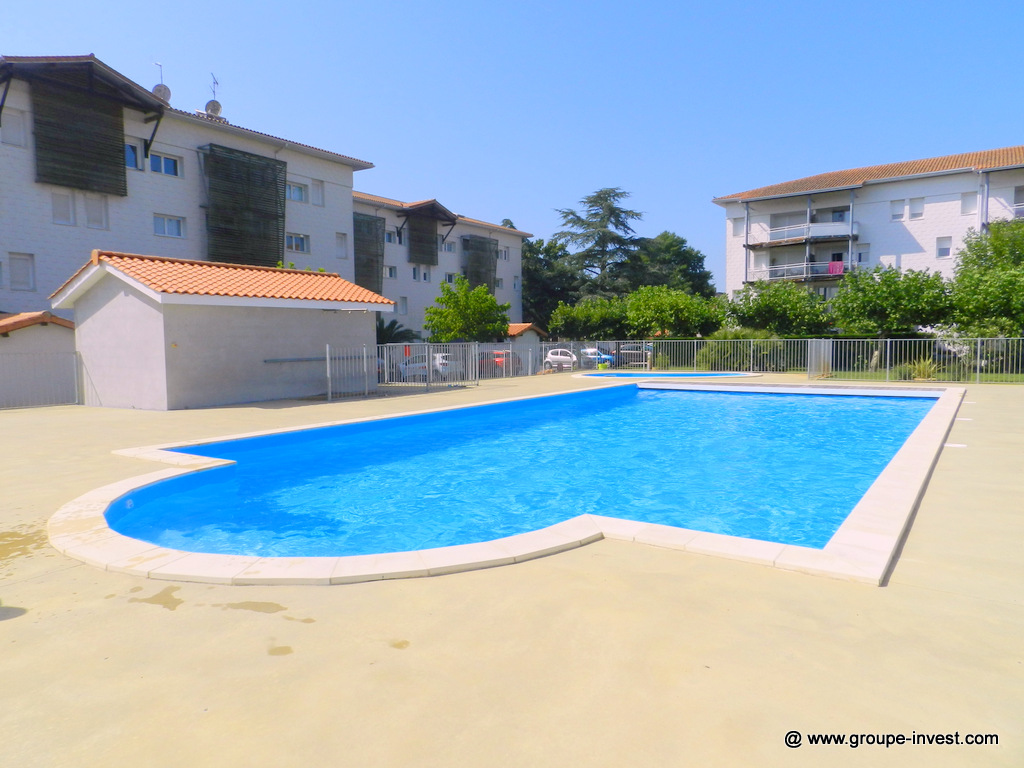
(783, 468)
(635, 375)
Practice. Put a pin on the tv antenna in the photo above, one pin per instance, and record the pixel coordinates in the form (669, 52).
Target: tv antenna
(158, 64)
(213, 87)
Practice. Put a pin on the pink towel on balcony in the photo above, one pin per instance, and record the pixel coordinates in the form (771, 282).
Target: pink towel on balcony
(835, 267)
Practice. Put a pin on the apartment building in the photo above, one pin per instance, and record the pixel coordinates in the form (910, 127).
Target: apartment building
(910, 215)
(91, 160)
(421, 245)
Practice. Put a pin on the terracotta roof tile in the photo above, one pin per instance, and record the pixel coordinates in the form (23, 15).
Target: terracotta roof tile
(16, 322)
(207, 278)
(1007, 157)
(517, 329)
(363, 197)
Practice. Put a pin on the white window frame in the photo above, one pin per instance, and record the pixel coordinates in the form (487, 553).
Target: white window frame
(916, 208)
(968, 203)
(503, 253)
(416, 274)
(390, 273)
(739, 227)
(316, 193)
(64, 212)
(30, 266)
(12, 132)
(341, 245)
(137, 146)
(426, 274)
(296, 192)
(160, 221)
(499, 282)
(98, 204)
(944, 247)
(897, 210)
(403, 305)
(449, 277)
(297, 243)
(179, 164)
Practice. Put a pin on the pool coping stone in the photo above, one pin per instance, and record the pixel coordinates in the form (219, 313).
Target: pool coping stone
(862, 549)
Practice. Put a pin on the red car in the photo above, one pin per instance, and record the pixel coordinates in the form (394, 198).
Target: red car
(500, 362)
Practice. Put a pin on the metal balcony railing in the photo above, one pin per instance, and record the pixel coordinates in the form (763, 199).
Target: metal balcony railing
(815, 270)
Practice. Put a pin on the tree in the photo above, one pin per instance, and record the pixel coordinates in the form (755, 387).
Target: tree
(658, 310)
(394, 332)
(548, 278)
(604, 235)
(664, 260)
(465, 314)
(887, 302)
(592, 318)
(781, 307)
(988, 289)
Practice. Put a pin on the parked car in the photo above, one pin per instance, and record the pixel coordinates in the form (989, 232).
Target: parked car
(632, 353)
(591, 357)
(558, 359)
(415, 367)
(499, 362)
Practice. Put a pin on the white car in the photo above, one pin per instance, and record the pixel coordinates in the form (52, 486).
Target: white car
(559, 359)
(415, 367)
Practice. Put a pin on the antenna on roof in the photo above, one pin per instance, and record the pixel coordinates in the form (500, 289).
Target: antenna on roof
(158, 64)
(214, 86)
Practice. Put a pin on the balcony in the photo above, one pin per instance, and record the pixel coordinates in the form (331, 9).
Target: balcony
(795, 234)
(815, 270)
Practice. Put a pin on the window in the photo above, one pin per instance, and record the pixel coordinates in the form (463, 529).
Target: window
(943, 247)
(445, 246)
(63, 207)
(389, 236)
(297, 243)
(96, 211)
(403, 305)
(168, 226)
(1018, 202)
(297, 193)
(12, 131)
(863, 253)
(896, 209)
(449, 277)
(416, 274)
(499, 282)
(391, 272)
(968, 203)
(132, 156)
(503, 253)
(340, 245)
(515, 284)
(23, 271)
(426, 274)
(316, 193)
(165, 164)
(838, 216)
(739, 227)
(917, 208)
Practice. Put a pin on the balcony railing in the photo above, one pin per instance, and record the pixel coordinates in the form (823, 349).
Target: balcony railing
(829, 230)
(817, 270)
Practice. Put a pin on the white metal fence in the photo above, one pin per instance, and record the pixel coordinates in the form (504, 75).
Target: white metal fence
(386, 368)
(34, 379)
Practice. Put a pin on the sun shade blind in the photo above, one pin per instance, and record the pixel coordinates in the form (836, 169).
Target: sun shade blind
(422, 240)
(481, 261)
(245, 217)
(79, 139)
(369, 251)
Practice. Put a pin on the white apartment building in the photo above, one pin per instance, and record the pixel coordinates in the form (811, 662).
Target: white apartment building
(911, 215)
(426, 245)
(91, 160)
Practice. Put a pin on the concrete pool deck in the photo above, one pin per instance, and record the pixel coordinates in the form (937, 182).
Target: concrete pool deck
(609, 654)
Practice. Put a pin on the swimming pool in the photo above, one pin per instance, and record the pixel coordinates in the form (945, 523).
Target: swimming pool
(861, 549)
(744, 464)
(655, 375)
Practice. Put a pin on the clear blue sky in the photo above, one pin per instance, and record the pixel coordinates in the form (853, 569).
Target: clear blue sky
(511, 110)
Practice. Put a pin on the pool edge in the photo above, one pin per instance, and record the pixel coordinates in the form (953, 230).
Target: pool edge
(863, 549)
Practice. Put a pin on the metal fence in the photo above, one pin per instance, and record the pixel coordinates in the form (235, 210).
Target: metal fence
(387, 368)
(34, 379)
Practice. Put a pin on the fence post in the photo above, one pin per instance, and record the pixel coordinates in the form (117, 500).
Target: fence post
(750, 367)
(328, 359)
(366, 374)
(977, 363)
(888, 358)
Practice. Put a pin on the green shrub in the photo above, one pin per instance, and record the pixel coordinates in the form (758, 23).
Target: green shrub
(901, 373)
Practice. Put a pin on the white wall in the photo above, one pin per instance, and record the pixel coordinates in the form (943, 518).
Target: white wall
(217, 355)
